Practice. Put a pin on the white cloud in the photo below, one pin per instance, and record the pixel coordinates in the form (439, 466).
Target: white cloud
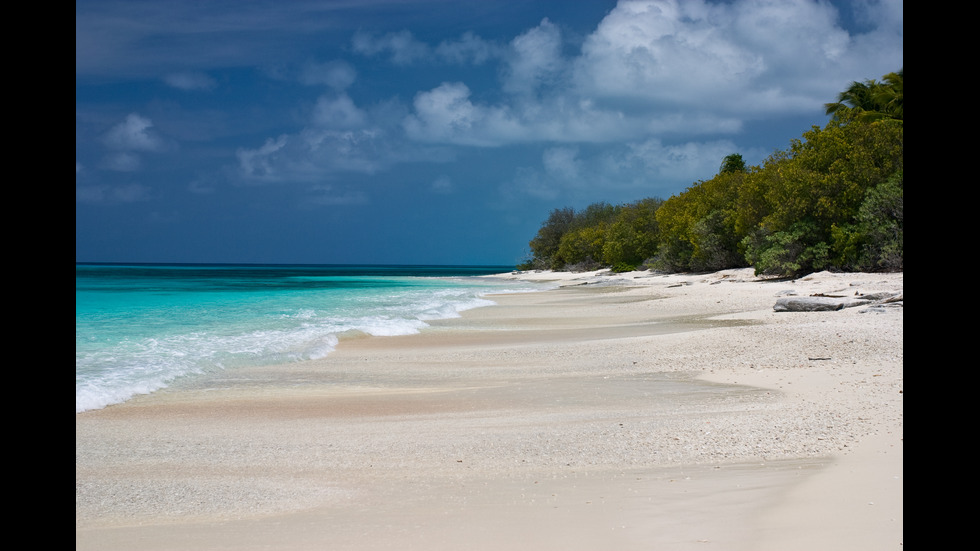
(338, 75)
(652, 68)
(200, 186)
(562, 163)
(687, 162)
(121, 161)
(328, 195)
(746, 58)
(258, 164)
(315, 153)
(885, 14)
(442, 184)
(135, 133)
(446, 110)
(638, 169)
(655, 84)
(320, 151)
(469, 48)
(666, 52)
(536, 59)
(126, 140)
(878, 47)
(446, 114)
(339, 137)
(190, 81)
(691, 123)
(338, 113)
(401, 46)
(528, 181)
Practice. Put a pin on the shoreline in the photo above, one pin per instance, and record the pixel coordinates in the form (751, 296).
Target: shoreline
(677, 410)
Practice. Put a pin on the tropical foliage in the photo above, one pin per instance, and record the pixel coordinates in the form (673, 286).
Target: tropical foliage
(831, 201)
(871, 100)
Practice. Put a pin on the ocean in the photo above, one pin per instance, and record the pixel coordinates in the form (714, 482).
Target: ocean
(140, 327)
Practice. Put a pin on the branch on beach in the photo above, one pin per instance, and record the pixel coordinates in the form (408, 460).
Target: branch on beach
(829, 303)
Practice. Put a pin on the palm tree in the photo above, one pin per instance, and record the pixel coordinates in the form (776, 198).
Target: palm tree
(890, 93)
(871, 100)
(732, 163)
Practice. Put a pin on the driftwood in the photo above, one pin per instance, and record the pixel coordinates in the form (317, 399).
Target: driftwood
(824, 303)
(808, 304)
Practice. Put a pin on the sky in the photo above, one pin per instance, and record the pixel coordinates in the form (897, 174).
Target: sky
(430, 131)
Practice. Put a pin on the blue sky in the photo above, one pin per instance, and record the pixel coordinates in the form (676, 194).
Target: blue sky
(430, 131)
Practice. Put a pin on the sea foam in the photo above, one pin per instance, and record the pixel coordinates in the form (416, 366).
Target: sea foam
(140, 329)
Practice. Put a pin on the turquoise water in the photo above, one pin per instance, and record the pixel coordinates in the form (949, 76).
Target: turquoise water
(140, 327)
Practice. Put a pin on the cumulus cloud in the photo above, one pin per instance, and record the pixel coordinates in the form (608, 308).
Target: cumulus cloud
(649, 165)
(751, 57)
(677, 123)
(662, 85)
(535, 59)
(339, 137)
(135, 133)
(446, 114)
(664, 52)
(562, 163)
(443, 112)
(315, 153)
(121, 161)
(469, 48)
(127, 140)
(401, 47)
(338, 112)
(258, 163)
(664, 68)
(688, 161)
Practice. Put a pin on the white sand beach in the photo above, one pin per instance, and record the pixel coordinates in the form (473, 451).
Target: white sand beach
(620, 412)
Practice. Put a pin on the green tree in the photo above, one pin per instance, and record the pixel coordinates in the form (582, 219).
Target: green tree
(582, 244)
(594, 215)
(697, 227)
(582, 248)
(633, 237)
(882, 226)
(790, 252)
(804, 204)
(732, 163)
(890, 96)
(544, 246)
(871, 100)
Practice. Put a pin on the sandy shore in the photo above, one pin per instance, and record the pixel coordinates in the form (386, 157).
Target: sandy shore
(627, 412)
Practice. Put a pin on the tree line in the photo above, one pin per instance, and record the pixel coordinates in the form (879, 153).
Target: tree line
(831, 201)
